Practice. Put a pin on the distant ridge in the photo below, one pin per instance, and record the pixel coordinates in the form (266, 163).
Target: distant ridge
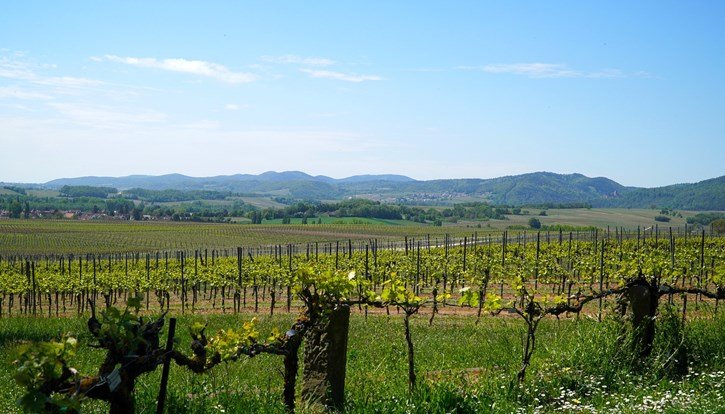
(178, 181)
(368, 178)
(530, 188)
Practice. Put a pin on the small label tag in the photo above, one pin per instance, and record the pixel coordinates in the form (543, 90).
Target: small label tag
(114, 379)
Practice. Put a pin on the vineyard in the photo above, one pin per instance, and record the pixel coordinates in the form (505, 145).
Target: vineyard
(41, 237)
(629, 304)
(387, 207)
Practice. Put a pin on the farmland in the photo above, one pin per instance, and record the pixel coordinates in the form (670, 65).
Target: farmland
(378, 208)
(460, 306)
(65, 236)
(467, 361)
(73, 236)
(597, 217)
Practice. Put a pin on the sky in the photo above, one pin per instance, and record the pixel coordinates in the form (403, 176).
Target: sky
(633, 91)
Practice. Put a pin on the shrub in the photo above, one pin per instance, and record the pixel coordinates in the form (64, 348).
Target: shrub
(718, 226)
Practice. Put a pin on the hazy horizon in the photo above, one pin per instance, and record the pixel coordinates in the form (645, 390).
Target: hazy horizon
(336, 177)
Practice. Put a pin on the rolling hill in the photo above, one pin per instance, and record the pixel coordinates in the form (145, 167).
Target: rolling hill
(531, 188)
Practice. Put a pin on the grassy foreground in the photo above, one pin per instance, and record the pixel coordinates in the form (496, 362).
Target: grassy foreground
(462, 368)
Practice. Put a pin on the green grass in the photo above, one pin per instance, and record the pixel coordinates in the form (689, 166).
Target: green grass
(628, 218)
(577, 367)
(347, 220)
(597, 217)
(260, 202)
(43, 193)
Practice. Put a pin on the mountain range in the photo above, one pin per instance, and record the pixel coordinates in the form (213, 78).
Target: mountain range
(531, 188)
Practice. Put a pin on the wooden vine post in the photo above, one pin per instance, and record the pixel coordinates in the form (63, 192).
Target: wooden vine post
(166, 367)
(325, 359)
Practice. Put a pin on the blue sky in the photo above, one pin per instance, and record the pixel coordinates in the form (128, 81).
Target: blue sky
(632, 91)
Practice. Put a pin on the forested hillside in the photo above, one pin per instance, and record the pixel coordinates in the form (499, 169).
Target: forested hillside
(525, 189)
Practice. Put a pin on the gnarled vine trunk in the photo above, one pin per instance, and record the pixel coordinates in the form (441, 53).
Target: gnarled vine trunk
(291, 365)
(643, 298)
(411, 356)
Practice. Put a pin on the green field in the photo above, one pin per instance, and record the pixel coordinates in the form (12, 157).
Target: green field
(600, 217)
(259, 202)
(5, 191)
(462, 368)
(70, 236)
(43, 193)
(349, 220)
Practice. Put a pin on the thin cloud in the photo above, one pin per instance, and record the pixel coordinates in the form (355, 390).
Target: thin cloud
(31, 75)
(298, 60)
(193, 67)
(347, 77)
(13, 69)
(105, 117)
(201, 124)
(17, 93)
(69, 82)
(545, 70)
(425, 70)
(236, 107)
